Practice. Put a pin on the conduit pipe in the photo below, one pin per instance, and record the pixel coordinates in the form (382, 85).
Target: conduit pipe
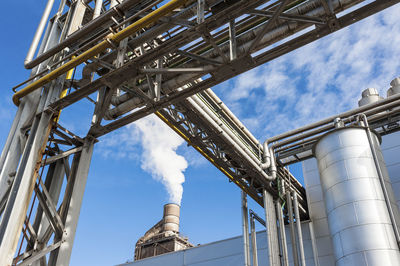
(109, 42)
(245, 228)
(246, 39)
(328, 120)
(299, 231)
(282, 233)
(39, 31)
(241, 149)
(242, 40)
(381, 179)
(231, 115)
(253, 240)
(292, 229)
(372, 109)
(90, 26)
(214, 117)
(126, 106)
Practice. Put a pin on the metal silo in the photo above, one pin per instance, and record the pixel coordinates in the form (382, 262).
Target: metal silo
(358, 216)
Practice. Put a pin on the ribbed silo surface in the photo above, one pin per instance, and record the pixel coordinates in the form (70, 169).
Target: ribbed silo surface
(358, 219)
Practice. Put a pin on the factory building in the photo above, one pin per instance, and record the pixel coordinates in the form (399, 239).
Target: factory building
(352, 220)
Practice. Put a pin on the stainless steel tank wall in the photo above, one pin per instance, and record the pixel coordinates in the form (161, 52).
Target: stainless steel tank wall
(358, 219)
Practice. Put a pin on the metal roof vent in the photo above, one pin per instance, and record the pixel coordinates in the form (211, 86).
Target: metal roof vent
(395, 87)
(368, 96)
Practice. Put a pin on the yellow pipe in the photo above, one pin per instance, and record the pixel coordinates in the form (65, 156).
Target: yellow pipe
(70, 73)
(174, 128)
(110, 40)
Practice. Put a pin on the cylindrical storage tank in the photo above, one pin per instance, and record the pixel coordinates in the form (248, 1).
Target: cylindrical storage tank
(368, 96)
(171, 217)
(358, 217)
(395, 87)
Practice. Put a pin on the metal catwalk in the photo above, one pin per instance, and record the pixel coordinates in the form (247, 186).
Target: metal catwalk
(142, 57)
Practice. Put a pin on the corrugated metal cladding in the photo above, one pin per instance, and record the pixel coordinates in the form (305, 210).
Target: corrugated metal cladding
(229, 252)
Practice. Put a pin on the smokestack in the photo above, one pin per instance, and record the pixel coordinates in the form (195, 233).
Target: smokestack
(171, 218)
(164, 236)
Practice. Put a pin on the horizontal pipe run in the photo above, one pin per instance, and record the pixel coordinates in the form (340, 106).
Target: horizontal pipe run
(92, 25)
(238, 146)
(173, 70)
(331, 118)
(326, 124)
(108, 43)
(308, 8)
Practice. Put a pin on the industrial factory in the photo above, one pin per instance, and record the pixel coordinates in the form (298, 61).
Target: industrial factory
(133, 58)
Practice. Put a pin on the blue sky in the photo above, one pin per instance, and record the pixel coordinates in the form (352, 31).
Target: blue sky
(122, 200)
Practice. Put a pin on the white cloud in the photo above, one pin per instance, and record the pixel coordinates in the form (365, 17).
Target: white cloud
(321, 79)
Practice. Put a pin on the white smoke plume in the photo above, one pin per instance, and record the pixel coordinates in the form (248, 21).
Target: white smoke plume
(159, 157)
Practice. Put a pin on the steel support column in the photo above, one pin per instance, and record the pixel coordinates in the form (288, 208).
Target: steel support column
(75, 203)
(272, 230)
(245, 226)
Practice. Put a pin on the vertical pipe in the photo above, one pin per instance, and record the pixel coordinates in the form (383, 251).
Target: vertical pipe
(39, 31)
(313, 243)
(97, 8)
(382, 181)
(299, 232)
(253, 241)
(232, 40)
(292, 230)
(270, 221)
(282, 233)
(245, 226)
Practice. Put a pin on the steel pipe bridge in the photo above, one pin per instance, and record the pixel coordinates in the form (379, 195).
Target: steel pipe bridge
(142, 57)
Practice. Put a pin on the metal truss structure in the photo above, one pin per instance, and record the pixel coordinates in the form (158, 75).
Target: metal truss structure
(142, 57)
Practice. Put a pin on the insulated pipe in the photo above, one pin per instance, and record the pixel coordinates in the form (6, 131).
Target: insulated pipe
(381, 180)
(253, 240)
(292, 230)
(241, 149)
(109, 41)
(313, 243)
(211, 117)
(274, 34)
(282, 233)
(92, 25)
(39, 31)
(198, 100)
(322, 126)
(231, 115)
(331, 118)
(271, 228)
(299, 232)
(245, 227)
(247, 38)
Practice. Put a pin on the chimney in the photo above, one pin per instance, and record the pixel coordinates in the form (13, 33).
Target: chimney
(171, 218)
(163, 237)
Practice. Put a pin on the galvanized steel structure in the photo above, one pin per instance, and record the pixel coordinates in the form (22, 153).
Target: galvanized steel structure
(144, 57)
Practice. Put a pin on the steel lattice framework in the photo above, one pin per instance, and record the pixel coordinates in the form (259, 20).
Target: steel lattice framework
(142, 57)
